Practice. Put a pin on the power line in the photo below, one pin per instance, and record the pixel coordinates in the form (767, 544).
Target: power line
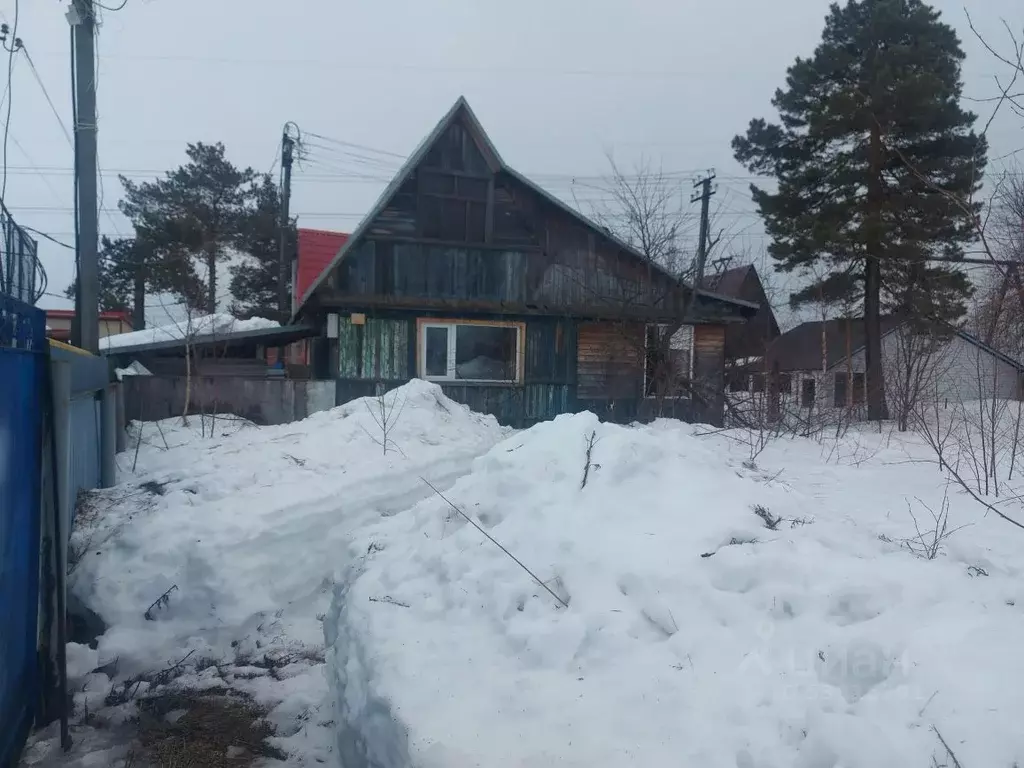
(46, 94)
(15, 44)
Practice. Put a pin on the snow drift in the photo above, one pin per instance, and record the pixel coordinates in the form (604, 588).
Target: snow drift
(717, 614)
(242, 527)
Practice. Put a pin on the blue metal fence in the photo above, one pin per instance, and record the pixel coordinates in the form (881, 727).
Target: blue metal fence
(22, 385)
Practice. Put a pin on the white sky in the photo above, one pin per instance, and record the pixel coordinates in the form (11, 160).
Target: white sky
(556, 83)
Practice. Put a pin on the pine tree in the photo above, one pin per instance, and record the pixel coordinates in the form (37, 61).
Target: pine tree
(192, 214)
(254, 282)
(129, 268)
(115, 280)
(870, 157)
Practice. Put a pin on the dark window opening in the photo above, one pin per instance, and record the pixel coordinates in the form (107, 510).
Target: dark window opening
(667, 362)
(785, 384)
(859, 389)
(737, 382)
(757, 382)
(807, 393)
(840, 391)
(486, 353)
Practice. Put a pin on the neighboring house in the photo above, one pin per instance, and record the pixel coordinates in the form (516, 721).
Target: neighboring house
(315, 250)
(468, 274)
(58, 323)
(217, 345)
(821, 365)
(745, 343)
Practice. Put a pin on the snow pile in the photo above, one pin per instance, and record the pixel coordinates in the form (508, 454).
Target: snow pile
(717, 614)
(196, 328)
(219, 548)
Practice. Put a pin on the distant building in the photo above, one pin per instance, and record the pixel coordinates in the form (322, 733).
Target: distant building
(58, 323)
(820, 364)
(745, 343)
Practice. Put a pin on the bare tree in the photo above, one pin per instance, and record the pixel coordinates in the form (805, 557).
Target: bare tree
(647, 210)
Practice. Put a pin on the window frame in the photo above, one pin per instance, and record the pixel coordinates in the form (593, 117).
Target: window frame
(689, 373)
(452, 326)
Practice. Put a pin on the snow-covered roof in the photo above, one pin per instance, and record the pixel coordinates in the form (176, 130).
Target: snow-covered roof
(219, 326)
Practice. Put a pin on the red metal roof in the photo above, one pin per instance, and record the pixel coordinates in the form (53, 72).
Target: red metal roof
(317, 247)
(111, 315)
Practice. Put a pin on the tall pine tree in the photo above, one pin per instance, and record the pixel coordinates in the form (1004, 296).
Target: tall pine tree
(194, 213)
(129, 268)
(870, 157)
(255, 280)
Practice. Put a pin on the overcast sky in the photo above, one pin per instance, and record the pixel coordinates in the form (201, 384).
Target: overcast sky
(556, 83)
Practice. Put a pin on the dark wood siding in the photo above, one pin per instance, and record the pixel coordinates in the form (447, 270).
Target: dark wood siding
(610, 358)
(550, 351)
(709, 370)
(420, 270)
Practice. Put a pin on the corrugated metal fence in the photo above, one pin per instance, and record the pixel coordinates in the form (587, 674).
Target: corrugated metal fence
(84, 469)
(22, 381)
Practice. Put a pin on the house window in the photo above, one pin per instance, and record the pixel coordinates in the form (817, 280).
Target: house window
(840, 391)
(668, 361)
(859, 389)
(785, 384)
(738, 381)
(463, 351)
(807, 393)
(757, 380)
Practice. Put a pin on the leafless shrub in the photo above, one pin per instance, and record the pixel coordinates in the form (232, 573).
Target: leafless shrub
(928, 543)
(386, 416)
(589, 463)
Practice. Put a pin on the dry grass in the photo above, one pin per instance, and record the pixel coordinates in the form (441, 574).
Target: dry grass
(213, 728)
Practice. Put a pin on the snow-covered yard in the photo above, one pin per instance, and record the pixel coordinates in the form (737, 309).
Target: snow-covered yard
(683, 606)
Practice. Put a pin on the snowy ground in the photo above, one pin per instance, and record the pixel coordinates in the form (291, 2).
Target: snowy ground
(245, 526)
(696, 629)
(694, 633)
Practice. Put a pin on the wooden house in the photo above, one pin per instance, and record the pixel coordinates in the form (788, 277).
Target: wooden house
(468, 274)
(745, 343)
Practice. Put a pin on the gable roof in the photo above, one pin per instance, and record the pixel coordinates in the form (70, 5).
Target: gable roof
(975, 341)
(495, 162)
(728, 282)
(316, 249)
(800, 349)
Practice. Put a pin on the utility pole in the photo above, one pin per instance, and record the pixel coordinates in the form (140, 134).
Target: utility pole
(704, 195)
(81, 16)
(287, 267)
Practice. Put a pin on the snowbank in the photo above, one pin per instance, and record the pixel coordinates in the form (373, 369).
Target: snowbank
(196, 328)
(242, 528)
(694, 634)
